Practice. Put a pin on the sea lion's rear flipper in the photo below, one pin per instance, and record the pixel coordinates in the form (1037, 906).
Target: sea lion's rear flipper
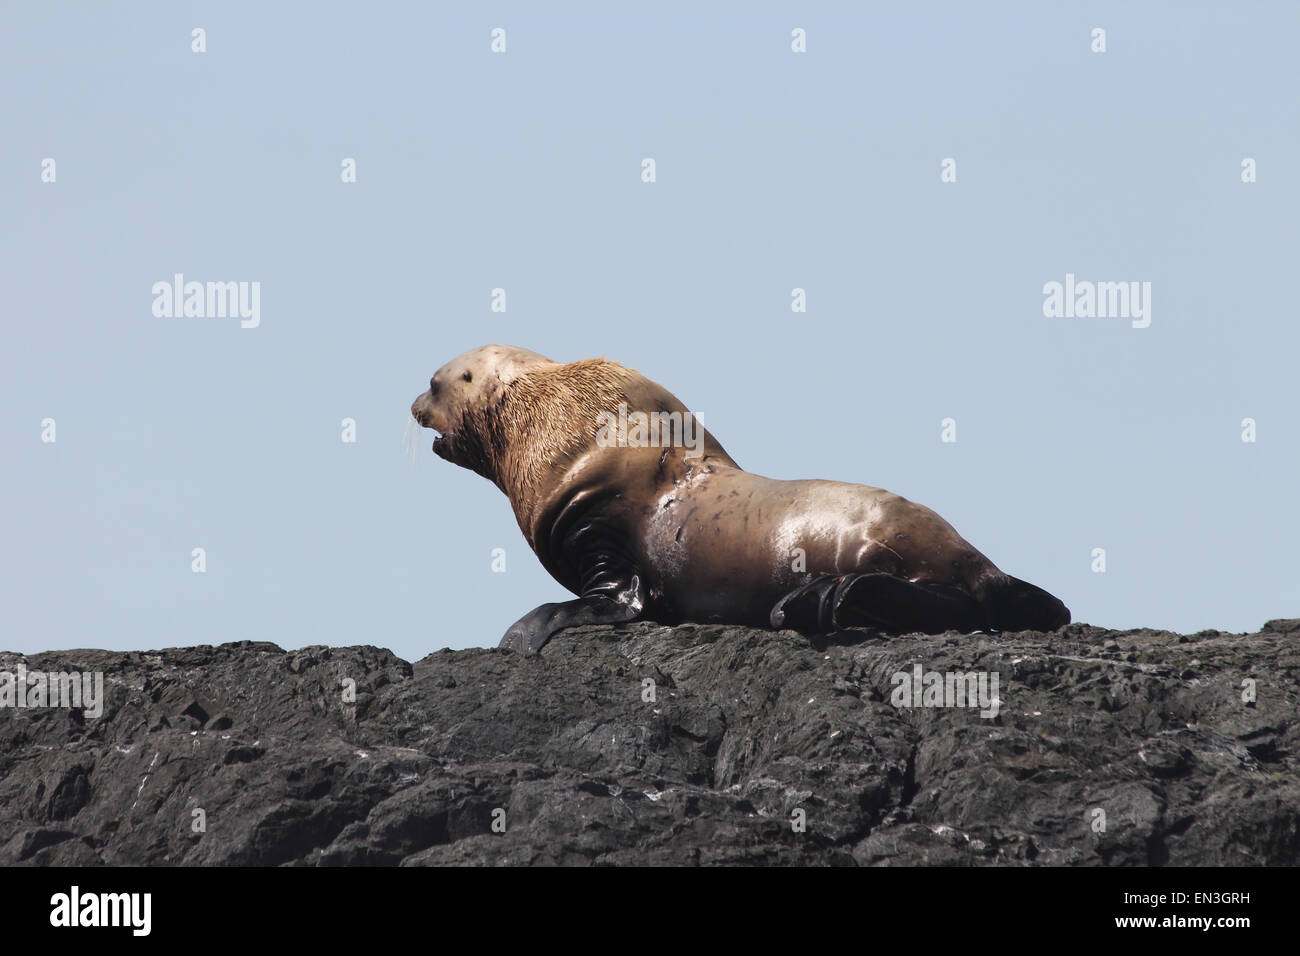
(1011, 604)
(809, 609)
(878, 600)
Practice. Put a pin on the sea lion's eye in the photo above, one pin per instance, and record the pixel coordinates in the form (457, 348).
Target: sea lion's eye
(468, 377)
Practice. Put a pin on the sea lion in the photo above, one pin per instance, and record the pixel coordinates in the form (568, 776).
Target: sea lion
(643, 528)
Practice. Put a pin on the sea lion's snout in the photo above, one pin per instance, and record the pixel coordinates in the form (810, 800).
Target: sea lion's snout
(425, 409)
(424, 418)
(420, 410)
(429, 411)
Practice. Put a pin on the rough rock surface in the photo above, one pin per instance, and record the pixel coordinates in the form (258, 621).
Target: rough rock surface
(1143, 731)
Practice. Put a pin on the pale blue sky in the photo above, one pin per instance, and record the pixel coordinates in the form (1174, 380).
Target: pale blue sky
(522, 171)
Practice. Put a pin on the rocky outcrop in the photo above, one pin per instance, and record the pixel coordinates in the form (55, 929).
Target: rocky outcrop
(650, 745)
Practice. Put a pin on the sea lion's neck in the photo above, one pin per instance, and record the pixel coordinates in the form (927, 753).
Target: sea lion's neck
(533, 433)
(541, 423)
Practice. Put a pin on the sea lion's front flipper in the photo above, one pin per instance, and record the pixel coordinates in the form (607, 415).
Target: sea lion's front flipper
(531, 632)
(883, 601)
(612, 590)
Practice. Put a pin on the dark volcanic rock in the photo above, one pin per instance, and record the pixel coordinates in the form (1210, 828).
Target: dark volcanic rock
(1109, 747)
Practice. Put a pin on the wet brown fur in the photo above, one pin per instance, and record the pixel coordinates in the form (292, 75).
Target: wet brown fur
(543, 420)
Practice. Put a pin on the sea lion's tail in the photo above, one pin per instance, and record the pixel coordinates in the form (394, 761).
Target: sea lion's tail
(1011, 604)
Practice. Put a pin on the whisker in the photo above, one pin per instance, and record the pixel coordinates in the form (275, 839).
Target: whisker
(412, 438)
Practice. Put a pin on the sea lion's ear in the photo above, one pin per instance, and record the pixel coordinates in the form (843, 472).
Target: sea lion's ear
(510, 371)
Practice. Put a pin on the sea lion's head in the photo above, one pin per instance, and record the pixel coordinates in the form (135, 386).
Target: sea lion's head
(462, 397)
